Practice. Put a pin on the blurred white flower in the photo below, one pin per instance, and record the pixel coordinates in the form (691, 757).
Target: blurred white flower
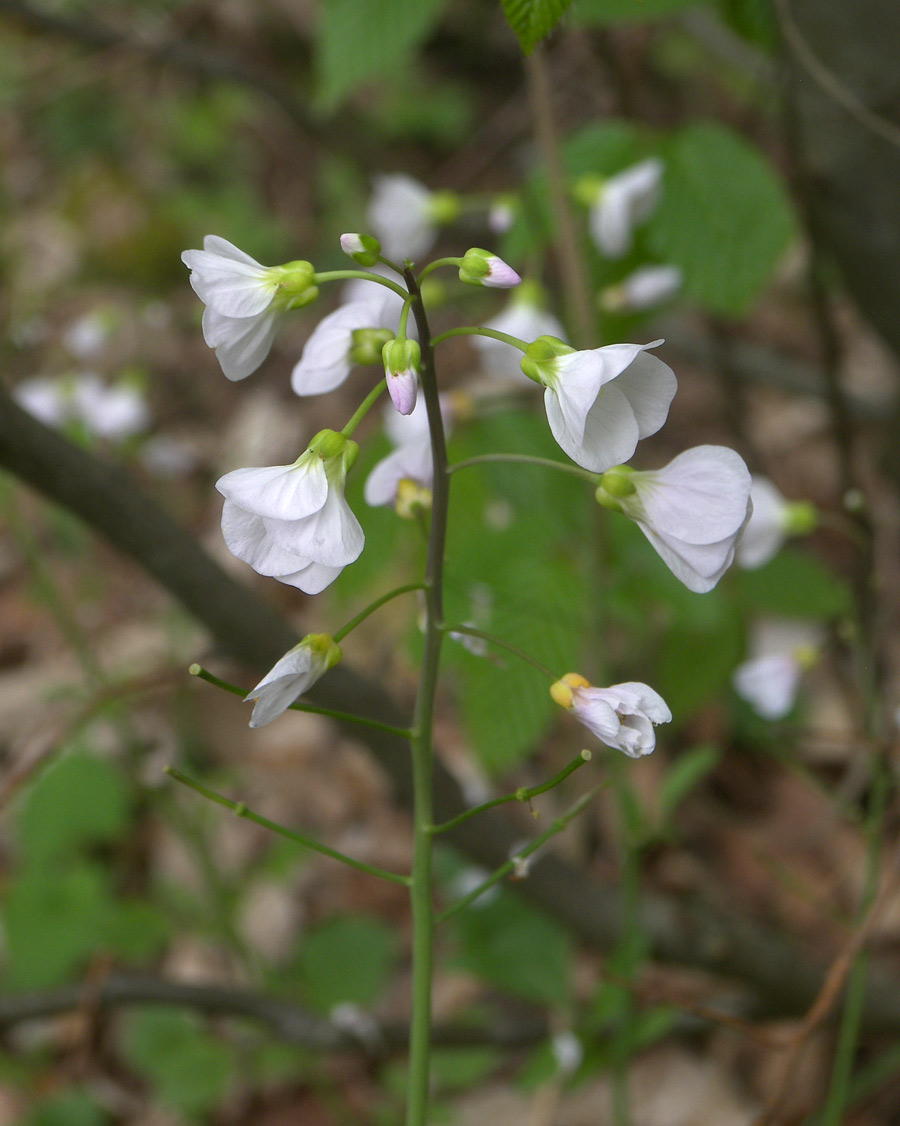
(525, 318)
(113, 412)
(773, 519)
(86, 335)
(601, 402)
(692, 510)
(292, 522)
(352, 334)
(243, 300)
(622, 716)
(642, 289)
(623, 202)
(292, 675)
(405, 215)
(780, 654)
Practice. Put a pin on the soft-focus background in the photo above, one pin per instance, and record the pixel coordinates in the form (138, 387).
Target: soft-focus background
(709, 888)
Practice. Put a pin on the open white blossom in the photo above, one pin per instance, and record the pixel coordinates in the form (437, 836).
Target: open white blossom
(623, 202)
(243, 300)
(642, 289)
(113, 412)
(292, 522)
(524, 317)
(352, 334)
(405, 215)
(780, 653)
(292, 675)
(773, 519)
(403, 479)
(601, 402)
(692, 510)
(622, 716)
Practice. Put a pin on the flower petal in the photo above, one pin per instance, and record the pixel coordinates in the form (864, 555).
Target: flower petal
(700, 497)
(241, 343)
(325, 362)
(280, 492)
(650, 386)
(332, 536)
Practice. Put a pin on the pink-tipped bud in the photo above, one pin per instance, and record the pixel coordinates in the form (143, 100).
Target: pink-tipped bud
(363, 249)
(480, 267)
(401, 371)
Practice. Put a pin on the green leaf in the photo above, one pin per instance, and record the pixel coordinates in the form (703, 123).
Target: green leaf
(191, 1070)
(78, 800)
(71, 1109)
(360, 40)
(724, 218)
(687, 771)
(531, 20)
(346, 959)
(602, 12)
(794, 585)
(516, 948)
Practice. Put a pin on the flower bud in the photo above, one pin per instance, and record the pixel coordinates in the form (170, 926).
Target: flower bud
(401, 371)
(539, 356)
(367, 344)
(480, 267)
(800, 518)
(615, 484)
(363, 249)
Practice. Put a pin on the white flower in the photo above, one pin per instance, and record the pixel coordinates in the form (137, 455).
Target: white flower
(243, 300)
(292, 521)
(405, 215)
(403, 478)
(292, 675)
(780, 654)
(359, 289)
(354, 333)
(601, 402)
(773, 519)
(642, 289)
(621, 203)
(692, 510)
(111, 412)
(524, 318)
(622, 716)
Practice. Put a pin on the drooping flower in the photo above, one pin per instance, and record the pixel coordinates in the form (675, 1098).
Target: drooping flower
(113, 412)
(622, 716)
(292, 522)
(773, 519)
(243, 300)
(292, 675)
(601, 402)
(405, 215)
(524, 317)
(480, 267)
(401, 371)
(692, 510)
(780, 653)
(642, 289)
(352, 334)
(621, 203)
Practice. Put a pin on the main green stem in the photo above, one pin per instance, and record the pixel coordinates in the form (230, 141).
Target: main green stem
(421, 744)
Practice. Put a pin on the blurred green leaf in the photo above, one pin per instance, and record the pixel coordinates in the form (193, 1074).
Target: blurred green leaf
(360, 40)
(794, 585)
(77, 800)
(752, 19)
(460, 1069)
(516, 948)
(602, 12)
(531, 20)
(191, 1070)
(724, 218)
(71, 1109)
(346, 959)
(686, 772)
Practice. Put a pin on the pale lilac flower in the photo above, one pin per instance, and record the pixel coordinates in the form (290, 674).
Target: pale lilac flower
(780, 654)
(622, 716)
(354, 333)
(692, 510)
(113, 412)
(481, 267)
(524, 317)
(773, 519)
(623, 202)
(292, 675)
(401, 372)
(601, 402)
(243, 300)
(405, 215)
(642, 289)
(291, 521)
